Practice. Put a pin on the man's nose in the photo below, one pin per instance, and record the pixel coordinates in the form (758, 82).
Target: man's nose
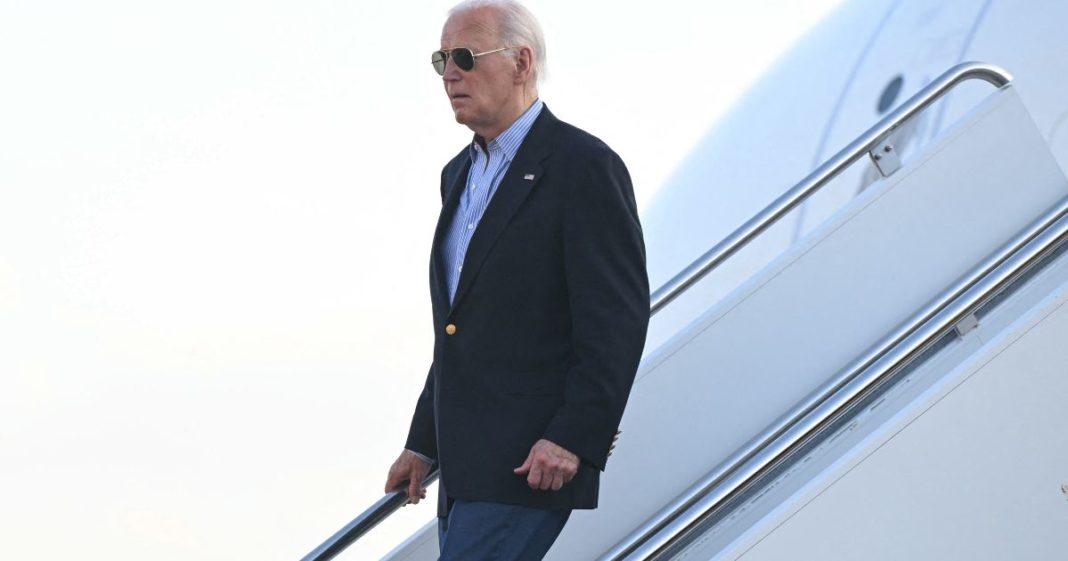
(452, 72)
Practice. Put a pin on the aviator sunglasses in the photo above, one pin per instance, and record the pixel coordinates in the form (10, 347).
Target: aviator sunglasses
(462, 57)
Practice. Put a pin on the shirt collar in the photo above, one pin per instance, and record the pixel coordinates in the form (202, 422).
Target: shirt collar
(513, 136)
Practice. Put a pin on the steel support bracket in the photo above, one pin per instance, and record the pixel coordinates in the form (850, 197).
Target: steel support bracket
(885, 158)
(967, 324)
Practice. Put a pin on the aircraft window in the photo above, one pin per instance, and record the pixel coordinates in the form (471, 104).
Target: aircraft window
(890, 93)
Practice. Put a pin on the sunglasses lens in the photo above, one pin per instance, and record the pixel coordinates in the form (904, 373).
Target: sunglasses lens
(463, 58)
(438, 59)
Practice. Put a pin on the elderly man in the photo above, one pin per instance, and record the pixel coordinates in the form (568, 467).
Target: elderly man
(540, 302)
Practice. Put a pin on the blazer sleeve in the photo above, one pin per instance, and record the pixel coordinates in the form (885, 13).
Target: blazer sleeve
(421, 435)
(608, 295)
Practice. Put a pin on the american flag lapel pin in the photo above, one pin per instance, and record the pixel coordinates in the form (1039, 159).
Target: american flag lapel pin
(529, 177)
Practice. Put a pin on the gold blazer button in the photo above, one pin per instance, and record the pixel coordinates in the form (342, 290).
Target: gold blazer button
(450, 329)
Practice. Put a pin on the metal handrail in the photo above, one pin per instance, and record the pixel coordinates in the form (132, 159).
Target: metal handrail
(823, 174)
(718, 254)
(836, 397)
(363, 523)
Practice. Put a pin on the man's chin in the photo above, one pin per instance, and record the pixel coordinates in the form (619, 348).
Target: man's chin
(464, 118)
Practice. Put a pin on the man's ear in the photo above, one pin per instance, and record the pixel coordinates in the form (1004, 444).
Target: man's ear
(524, 66)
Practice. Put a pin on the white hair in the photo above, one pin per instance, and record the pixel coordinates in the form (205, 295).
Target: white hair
(518, 28)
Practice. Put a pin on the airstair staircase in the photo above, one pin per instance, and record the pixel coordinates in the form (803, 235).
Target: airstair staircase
(893, 386)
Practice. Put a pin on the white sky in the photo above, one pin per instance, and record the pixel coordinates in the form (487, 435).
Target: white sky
(215, 219)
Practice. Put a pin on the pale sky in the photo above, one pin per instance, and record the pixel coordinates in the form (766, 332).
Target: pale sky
(215, 221)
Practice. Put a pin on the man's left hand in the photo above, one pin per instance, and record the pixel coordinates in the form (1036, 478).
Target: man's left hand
(548, 466)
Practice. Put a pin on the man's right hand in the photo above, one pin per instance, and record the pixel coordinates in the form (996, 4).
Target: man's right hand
(408, 468)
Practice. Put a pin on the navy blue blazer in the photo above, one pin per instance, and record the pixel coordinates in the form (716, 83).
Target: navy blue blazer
(547, 327)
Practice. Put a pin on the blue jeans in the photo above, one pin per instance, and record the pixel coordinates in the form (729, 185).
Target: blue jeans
(483, 531)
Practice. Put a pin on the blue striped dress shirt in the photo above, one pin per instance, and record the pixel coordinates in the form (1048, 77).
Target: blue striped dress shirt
(487, 169)
(485, 175)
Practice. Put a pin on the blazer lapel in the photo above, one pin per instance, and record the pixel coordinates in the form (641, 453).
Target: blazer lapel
(440, 295)
(523, 174)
